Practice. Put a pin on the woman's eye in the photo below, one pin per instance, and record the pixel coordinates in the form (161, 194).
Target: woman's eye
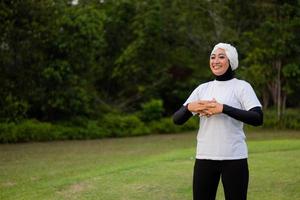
(222, 57)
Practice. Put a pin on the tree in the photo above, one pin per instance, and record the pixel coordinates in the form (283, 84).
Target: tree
(272, 49)
(49, 50)
(23, 36)
(75, 49)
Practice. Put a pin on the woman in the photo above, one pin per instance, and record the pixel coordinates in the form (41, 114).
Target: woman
(223, 105)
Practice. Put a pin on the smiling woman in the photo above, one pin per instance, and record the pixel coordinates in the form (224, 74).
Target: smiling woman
(223, 105)
(219, 62)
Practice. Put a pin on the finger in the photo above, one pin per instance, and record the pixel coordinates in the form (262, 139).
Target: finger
(210, 105)
(203, 101)
(208, 112)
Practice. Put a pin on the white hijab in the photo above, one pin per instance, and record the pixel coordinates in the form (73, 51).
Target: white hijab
(230, 52)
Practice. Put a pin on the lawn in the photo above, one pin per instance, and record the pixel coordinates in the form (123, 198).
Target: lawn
(156, 167)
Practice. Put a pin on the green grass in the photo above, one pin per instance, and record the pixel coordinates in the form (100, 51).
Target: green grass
(157, 167)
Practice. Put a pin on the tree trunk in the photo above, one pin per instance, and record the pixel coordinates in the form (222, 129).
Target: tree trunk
(275, 88)
(278, 87)
(265, 98)
(283, 102)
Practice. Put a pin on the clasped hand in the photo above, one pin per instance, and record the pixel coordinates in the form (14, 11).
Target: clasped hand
(205, 108)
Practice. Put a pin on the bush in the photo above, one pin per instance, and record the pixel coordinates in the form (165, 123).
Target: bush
(123, 125)
(33, 130)
(166, 125)
(28, 130)
(82, 130)
(290, 119)
(13, 109)
(151, 111)
(191, 124)
(76, 121)
(6, 133)
(117, 125)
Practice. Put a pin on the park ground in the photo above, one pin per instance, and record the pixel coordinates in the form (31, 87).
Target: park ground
(155, 167)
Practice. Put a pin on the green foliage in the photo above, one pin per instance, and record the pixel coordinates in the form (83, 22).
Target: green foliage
(123, 125)
(290, 119)
(111, 125)
(6, 133)
(270, 53)
(13, 109)
(152, 110)
(118, 125)
(166, 125)
(292, 73)
(68, 78)
(71, 66)
(29, 130)
(33, 130)
(52, 52)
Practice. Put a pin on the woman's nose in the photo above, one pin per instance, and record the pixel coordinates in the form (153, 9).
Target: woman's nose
(216, 60)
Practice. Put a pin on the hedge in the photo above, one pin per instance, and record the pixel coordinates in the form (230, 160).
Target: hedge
(117, 125)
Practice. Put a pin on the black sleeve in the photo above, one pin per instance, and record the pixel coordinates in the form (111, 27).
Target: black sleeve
(254, 116)
(181, 115)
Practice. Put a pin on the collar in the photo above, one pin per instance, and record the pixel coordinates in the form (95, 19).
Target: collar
(228, 75)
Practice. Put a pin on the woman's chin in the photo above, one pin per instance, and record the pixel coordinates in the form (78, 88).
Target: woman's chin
(217, 73)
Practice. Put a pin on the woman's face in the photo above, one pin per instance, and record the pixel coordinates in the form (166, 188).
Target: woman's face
(219, 62)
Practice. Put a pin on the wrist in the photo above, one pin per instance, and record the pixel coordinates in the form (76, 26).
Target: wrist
(225, 108)
(187, 107)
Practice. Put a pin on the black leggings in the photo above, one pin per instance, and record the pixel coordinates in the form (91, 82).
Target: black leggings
(234, 175)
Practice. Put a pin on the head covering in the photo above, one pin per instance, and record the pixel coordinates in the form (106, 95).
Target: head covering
(228, 75)
(230, 52)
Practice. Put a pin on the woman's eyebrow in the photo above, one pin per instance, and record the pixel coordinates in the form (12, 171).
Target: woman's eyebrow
(220, 54)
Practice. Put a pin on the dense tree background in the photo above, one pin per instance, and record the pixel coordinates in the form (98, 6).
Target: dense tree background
(60, 60)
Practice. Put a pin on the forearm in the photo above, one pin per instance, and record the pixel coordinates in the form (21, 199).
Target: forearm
(181, 115)
(254, 116)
